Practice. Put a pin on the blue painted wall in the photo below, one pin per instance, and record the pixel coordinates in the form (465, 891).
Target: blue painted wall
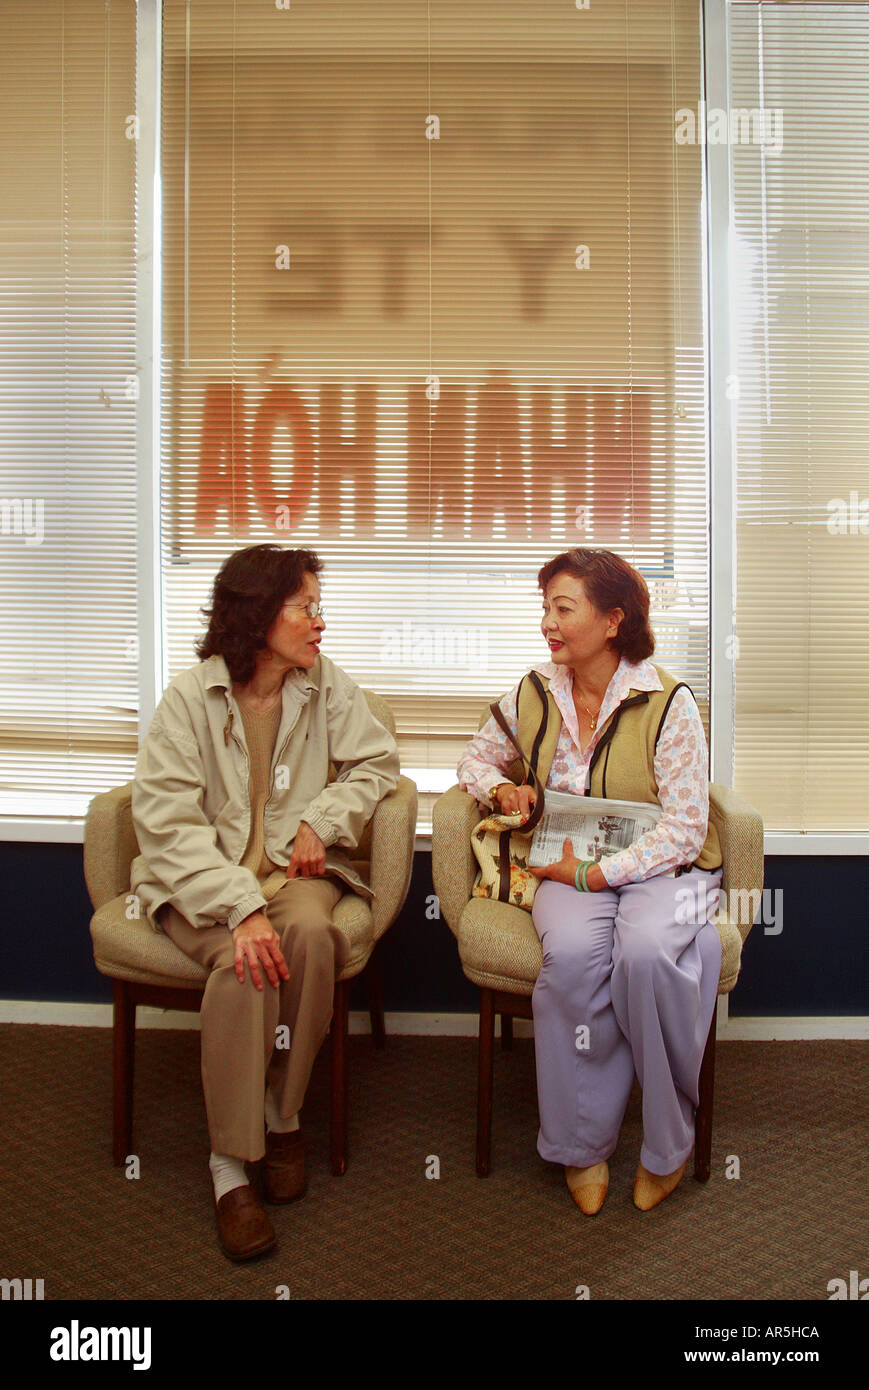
(817, 964)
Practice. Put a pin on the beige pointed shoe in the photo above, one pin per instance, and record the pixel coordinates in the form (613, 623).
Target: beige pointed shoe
(589, 1186)
(652, 1188)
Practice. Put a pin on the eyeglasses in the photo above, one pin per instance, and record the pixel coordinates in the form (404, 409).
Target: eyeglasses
(313, 609)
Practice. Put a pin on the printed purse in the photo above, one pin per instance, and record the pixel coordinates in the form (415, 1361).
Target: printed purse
(501, 844)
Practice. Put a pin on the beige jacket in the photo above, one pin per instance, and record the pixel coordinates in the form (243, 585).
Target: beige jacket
(191, 801)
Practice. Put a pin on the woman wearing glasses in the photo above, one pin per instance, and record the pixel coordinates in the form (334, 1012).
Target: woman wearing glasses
(242, 859)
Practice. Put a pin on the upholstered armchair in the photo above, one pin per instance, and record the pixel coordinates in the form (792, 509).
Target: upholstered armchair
(148, 968)
(500, 950)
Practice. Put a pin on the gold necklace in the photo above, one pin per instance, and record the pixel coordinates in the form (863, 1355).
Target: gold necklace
(592, 718)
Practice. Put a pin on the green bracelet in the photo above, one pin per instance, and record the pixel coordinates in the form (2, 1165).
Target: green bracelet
(579, 878)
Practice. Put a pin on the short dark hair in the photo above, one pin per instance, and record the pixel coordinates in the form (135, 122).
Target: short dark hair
(250, 588)
(610, 582)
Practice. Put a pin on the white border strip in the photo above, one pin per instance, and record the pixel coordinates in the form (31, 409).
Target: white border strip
(438, 1025)
(849, 1027)
(71, 832)
(722, 461)
(781, 842)
(35, 831)
(815, 843)
(148, 295)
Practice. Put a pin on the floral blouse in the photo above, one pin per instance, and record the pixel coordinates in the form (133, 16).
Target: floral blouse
(681, 768)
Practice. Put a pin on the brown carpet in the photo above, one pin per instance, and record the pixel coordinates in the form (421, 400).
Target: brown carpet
(794, 1114)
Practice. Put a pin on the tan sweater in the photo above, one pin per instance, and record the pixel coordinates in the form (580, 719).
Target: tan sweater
(260, 732)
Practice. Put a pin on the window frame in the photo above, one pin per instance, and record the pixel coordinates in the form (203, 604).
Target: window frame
(722, 454)
(721, 457)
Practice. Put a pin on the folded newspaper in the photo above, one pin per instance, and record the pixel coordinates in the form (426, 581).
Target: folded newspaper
(595, 825)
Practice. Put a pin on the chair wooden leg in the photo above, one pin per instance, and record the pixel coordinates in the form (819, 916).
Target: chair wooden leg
(484, 1081)
(340, 1016)
(703, 1117)
(123, 1057)
(506, 1032)
(374, 989)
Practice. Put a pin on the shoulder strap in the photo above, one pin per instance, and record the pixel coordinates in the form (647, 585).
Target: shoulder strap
(680, 685)
(544, 722)
(531, 778)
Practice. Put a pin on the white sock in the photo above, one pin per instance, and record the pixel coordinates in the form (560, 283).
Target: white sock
(226, 1173)
(273, 1118)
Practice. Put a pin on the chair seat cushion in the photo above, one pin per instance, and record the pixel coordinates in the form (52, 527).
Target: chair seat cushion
(126, 949)
(500, 949)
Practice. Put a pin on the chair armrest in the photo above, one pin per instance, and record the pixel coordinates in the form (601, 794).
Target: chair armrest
(110, 844)
(740, 831)
(453, 865)
(393, 826)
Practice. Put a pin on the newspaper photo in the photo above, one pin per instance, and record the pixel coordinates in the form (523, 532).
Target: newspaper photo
(595, 826)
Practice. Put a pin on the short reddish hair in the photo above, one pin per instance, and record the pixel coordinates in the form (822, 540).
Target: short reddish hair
(609, 582)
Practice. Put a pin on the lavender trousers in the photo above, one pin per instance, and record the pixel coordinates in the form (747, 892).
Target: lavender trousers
(629, 983)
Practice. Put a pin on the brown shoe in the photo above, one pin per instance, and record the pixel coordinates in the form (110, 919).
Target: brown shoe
(283, 1168)
(243, 1228)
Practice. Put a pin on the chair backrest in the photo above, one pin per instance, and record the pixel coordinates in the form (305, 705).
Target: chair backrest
(110, 843)
(516, 770)
(361, 855)
(380, 709)
(740, 834)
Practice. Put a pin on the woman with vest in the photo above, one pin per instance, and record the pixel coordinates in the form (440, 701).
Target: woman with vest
(630, 977)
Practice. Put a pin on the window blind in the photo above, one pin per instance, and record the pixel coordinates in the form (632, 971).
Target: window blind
(433, 306)
(68, 644)
(801, 336)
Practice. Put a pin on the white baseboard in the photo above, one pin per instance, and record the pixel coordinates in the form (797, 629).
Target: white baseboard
(441, 1025)
(89, 1015)
(852, 1027)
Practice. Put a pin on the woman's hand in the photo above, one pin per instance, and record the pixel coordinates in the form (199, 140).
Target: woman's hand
(510, 799)
(256, 940)
(564, 870)
(308, 859)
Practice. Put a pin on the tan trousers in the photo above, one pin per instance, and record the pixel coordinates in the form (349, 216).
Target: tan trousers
(239, 1022)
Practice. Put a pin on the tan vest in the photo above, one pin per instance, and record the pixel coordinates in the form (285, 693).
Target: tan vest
(623, 763)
